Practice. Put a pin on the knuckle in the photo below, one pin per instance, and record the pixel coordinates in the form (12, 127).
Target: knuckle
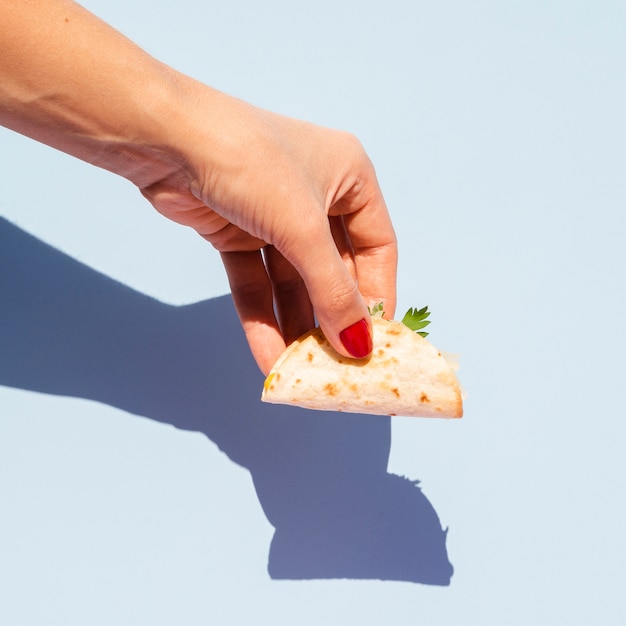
(340, 297)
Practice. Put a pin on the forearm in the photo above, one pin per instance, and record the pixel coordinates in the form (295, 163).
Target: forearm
(72, 82)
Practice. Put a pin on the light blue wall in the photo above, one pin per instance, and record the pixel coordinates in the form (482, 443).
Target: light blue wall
(499, 136)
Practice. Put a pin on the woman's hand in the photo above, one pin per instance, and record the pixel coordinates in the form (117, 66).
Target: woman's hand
(297, 215)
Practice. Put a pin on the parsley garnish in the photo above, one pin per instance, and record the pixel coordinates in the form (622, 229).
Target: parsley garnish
(416, 319)
(376, 310)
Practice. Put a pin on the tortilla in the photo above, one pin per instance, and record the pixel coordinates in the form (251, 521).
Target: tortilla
(405, 375)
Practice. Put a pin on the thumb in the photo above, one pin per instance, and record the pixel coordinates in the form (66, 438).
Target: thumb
(338, 305)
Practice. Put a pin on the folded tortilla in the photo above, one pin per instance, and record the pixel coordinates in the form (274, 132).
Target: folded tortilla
(405, 375)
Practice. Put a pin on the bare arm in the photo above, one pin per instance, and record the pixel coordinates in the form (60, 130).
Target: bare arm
(69, 80)
(294, 209)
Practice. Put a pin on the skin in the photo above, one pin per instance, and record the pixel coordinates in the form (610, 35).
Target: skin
(294, 209)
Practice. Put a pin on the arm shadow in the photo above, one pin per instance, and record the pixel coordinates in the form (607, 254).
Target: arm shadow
(321, 478)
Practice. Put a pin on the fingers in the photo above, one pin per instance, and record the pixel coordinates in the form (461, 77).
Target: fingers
(252, 295)
(375, 251)
(271, 300)
(338, 305)
(343, 243)
(369, 229)
(291, 299)
(348, 260)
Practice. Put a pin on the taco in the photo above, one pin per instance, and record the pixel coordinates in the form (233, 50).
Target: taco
(405, 375)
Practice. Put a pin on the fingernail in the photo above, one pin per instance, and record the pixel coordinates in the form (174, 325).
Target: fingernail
(356, 339)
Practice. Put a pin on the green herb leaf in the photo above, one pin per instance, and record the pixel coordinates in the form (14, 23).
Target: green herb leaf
(416, 319)
(376, 310)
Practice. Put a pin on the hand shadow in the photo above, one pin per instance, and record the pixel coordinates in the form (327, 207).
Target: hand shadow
(320, 477)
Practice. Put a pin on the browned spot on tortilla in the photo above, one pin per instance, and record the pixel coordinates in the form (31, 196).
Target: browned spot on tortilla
(424, 398)
(380, 352)
(396, 392)
(298, 381)
(331, 389)
(309, 357)
(388, 344)
(354, 387)
(393, 331)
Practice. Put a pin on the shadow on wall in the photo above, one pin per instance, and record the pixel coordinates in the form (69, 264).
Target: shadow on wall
(320, 477)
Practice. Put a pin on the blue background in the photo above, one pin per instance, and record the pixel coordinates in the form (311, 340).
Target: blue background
(143, 483)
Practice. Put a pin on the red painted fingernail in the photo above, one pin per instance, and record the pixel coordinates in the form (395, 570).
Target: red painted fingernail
(357, 339)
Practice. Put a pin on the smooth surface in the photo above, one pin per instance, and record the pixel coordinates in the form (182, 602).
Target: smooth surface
(140, 478)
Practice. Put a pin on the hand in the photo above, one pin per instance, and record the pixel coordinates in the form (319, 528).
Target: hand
(294, 209)
(297, 215)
